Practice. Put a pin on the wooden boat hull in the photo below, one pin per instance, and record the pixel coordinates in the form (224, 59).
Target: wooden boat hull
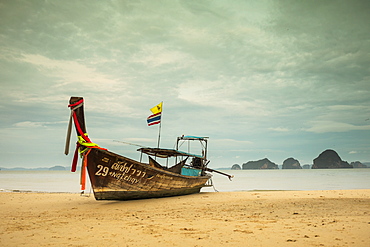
(115, 177)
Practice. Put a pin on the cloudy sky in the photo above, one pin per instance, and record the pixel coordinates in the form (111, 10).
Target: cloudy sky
(263, 79)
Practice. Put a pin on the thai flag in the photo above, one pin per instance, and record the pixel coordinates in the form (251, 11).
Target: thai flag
(154, 119)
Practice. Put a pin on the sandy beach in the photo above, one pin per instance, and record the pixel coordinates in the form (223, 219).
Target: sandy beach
(258, 218)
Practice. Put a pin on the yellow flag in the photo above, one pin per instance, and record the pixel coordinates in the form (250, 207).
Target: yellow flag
(157, 109)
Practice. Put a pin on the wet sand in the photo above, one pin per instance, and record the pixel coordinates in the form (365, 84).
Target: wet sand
(259, 218)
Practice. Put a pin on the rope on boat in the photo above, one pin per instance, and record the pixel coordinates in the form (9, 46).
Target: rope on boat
(213, 186)
(83, 170)
(86, 194)
(83, 139)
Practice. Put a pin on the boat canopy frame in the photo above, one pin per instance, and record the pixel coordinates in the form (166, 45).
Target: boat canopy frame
(167, 153)
(176, 153)
(202, 140)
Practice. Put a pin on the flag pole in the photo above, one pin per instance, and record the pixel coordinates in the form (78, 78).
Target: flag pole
(160, 126)
(159, 133)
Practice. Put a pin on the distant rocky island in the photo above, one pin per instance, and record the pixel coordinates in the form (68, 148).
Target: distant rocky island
(260, 164)
(358, 164)
(236, 167)
(54, 168)
(328, 159)
(291, 163)
(57, 168)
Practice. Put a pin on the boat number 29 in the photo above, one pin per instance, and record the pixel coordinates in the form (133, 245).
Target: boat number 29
(103, 171)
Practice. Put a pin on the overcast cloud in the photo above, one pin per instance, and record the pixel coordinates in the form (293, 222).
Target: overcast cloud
(273, 79)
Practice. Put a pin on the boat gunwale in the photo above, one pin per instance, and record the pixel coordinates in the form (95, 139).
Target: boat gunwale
(147, 166)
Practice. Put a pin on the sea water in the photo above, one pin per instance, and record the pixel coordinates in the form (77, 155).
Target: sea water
(294, 179)
(244, 180)
(40, 181)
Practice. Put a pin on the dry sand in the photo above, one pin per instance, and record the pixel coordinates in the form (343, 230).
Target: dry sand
(275, 218)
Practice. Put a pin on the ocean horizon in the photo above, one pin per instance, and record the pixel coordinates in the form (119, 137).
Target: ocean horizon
(244, 180)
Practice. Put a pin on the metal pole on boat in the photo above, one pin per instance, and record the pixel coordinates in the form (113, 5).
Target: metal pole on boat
(159, 133)
(160, 126)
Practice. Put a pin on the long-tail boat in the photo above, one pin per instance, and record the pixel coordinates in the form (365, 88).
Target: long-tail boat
(116, 177)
